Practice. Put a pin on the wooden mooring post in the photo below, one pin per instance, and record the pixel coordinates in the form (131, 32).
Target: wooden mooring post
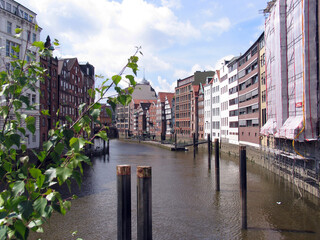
(124, 202)
(243, 186)
(217, 163)
(108, 147)
(209, 152)
(175, 141)
(144, 203)
(194, 144)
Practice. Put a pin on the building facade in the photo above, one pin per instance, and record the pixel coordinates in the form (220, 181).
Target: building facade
(14, 15)
(233, 89)
(248, 78)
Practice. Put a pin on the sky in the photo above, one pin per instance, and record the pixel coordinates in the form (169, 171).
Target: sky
(176, 37)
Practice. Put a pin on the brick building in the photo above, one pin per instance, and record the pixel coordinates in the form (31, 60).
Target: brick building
(248, 78)
(49, 97)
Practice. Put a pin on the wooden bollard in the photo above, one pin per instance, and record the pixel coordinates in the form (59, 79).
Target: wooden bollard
(209, 152)
(217, 163)
(243, 186)
(108, 147)
(144, 203)
(124, 202)
(175, 141)
(194, 144)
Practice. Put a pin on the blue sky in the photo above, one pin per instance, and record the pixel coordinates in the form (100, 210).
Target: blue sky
(177, 37)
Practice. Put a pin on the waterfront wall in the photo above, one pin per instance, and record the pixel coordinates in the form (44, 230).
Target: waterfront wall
(301, 173)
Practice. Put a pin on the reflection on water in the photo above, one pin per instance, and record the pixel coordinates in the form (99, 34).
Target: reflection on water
(185, 203)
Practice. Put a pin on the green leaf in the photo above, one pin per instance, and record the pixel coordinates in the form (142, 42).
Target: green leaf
(91, 93)
(95, 113)
(77, 143)
(131, 79)
(16, 48)
(31, 121)
(17, 104)
(20, 228)
(15, 139)
(81, 107)
(26, 209)
(38, 44)
(128, 99)
(25, 99)
(3, 232)
(69, 119)
(50, 174)
(22, 130)
(24, 159)
(39, 205)
(59, 148)
(116, 79)
(18, 188)
(103, 135)
(109, 112)
(35, 172)
(63, 173)
(130, 90)
(47, 145)
(45, 112)
(18, 30)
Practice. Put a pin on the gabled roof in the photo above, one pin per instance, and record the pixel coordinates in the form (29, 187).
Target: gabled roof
(162, 96)
(70, 63)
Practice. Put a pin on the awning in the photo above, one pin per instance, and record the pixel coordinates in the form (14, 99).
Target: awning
(269, 128)
(291, 127)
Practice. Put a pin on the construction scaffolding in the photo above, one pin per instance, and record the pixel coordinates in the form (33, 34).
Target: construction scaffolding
(292, 85)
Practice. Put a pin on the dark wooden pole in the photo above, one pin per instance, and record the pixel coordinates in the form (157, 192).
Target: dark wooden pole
(124, 201)
(144, 203)
(194, 144)
(217, 163)
(243, 186)
(209, 152)
(175, 141)
(108, 147)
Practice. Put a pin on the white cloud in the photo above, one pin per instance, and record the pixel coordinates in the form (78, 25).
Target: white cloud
(164, 86)
(181, 74)
(219, 63)
(171, 3)
(105, 33)
(220, 26)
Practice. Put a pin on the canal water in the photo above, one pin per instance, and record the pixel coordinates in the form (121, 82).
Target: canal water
(185, 204)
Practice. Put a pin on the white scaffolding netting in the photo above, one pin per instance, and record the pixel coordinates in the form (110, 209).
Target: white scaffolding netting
(291, 68)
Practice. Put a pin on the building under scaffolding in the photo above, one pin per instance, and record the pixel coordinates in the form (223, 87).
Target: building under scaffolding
(292, 82)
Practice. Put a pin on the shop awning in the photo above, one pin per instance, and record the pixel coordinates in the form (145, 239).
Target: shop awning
(291, 127)
(269, 128)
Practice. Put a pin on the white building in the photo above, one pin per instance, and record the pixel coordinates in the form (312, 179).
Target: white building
(13, 15)
(215, 106)
(233, 101)
(224, 101)
(207, 88)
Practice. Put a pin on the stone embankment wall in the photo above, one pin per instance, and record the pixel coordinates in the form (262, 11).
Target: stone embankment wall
(300, 173)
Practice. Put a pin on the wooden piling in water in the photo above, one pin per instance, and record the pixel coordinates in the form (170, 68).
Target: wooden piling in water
(108, 147)
(124, 202)
(217, 163)
(194, 144)
(144, 203)
(209, 152)
(175, 141)
(243, 186)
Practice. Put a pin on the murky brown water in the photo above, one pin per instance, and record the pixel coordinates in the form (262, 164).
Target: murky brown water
(185, 203)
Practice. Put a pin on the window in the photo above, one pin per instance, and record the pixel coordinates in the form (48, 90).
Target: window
(9, 27)
(255, 122)
(34, 37)
(8, 7)
(2, 3)
(9, 49)
(28, 36)
(33, 101)
(242, 123)
(34, 138)
(26, 16)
